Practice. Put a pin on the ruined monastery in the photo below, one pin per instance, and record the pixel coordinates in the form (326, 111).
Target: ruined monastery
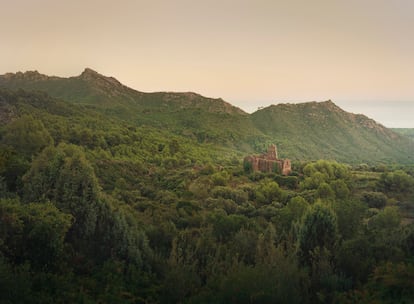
(268, 162)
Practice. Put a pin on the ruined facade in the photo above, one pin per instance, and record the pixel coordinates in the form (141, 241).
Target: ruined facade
(268, 162)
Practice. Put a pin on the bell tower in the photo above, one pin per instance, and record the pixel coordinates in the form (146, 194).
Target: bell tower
(272, 152)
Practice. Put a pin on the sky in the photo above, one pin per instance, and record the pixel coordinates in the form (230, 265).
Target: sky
(358, 53)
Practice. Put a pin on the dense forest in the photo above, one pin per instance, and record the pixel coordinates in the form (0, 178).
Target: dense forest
(95, 208)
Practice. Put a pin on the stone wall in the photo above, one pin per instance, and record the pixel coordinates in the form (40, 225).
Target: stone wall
(268, 162)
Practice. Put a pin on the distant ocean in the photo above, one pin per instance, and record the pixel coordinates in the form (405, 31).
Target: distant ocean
(391, 114)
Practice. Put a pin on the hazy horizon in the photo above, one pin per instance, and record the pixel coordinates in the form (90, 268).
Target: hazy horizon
(250, 53)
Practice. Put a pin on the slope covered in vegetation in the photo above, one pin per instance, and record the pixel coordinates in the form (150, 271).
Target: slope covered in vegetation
(409, 132)
(306, 131)
(317, 130)
(95, 208)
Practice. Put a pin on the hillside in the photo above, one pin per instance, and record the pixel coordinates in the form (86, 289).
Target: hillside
(189, 114)
(92, 88)
(84, 126)
(305, 131)
(324, 131)
(409, 132)
(96, 210)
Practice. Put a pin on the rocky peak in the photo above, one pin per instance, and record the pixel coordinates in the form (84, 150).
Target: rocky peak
(329, 104)
(28, 75)
(306, 106)
(99, 79)
(88, 72)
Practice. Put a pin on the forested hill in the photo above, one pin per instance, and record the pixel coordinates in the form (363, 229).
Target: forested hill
(189, 114)
(97, 208)
(322, 130)
(90, 87)
(305, 131)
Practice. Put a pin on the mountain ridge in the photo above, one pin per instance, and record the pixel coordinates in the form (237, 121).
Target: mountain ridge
(310, 130)
(104, 89)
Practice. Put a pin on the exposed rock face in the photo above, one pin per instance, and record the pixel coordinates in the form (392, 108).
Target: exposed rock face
(269, 162)
(94, 77)
(31, 76)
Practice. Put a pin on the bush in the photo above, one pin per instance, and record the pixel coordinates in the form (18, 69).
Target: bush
(374, 199)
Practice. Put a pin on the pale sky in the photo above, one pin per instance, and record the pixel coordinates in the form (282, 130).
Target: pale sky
(358, 53)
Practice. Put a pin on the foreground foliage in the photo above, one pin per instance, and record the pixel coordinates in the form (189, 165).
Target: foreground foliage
(94, 210)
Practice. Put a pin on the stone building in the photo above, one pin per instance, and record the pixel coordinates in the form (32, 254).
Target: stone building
(268, 162)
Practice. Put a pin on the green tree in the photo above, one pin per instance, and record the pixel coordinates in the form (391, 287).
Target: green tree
(340, 188)
(224, 227)
(27, 136)
(64, 176)
(323, 171)
(387, 219)
(374, 199)
(396, 182)
(324, 191)
(118, 236)
(291, 213)
(318, 230)
(12, 167)
(45, 230)
(268, 191)
(389, 283)
(33, 233)
(350, 214)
